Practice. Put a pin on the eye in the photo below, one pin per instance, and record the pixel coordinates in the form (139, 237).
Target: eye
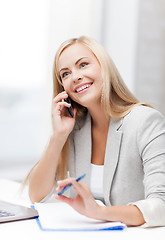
(83, 64)
(65, 74)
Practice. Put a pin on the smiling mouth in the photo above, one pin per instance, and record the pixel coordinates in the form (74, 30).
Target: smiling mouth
(82, 88)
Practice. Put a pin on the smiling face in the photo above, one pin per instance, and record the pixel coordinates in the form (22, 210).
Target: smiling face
(80, 73)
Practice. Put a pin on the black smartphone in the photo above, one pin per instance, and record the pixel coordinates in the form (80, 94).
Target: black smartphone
(70, 109)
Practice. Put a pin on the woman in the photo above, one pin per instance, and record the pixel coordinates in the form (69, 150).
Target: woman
(116, 140)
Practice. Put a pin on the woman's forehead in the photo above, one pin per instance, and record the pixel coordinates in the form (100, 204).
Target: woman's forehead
(73, 53)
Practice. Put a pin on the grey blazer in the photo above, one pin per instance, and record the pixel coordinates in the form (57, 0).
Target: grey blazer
(134, 165)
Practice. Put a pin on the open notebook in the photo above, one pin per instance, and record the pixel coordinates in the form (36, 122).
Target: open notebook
(61, 217)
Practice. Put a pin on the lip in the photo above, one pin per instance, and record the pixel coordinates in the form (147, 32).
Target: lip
(81, 85)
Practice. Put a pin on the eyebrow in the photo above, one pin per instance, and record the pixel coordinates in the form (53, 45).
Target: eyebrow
(62, 69)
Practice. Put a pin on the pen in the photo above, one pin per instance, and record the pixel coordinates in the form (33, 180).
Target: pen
(70, 184)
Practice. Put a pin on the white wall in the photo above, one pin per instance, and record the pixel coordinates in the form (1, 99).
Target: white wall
(150, 78)
(24, 34)
(23, 64)
(120, 36)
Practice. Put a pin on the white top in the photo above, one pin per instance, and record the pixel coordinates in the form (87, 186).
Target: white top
(96, 182)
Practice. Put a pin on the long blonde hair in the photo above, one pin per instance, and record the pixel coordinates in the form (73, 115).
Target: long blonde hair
(117, 100)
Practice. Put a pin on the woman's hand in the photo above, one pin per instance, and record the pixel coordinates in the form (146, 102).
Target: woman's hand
(62, 123)
(84, 202)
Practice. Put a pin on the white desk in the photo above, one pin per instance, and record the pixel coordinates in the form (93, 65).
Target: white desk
(28, 229)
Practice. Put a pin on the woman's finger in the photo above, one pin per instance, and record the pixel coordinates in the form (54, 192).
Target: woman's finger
(64, 199)
(81, 189)
(60, 97)
(63, 183)
(61, 105)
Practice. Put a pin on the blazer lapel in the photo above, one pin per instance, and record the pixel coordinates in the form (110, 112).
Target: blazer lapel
(111, 156)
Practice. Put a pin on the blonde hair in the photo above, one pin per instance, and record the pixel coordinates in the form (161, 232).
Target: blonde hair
(117, 100)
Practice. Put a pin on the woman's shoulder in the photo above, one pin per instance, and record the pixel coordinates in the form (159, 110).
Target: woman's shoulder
(143, 115)
(141, 112)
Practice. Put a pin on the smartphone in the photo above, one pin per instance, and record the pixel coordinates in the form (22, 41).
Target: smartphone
(70, 109)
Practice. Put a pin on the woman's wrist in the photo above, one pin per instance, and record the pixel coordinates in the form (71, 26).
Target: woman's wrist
(58, 138)
(101, 213)
(130, 215)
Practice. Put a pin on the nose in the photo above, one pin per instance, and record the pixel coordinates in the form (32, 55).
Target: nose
(76, 76)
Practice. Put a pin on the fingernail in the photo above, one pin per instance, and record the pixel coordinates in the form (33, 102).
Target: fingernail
(59, 181)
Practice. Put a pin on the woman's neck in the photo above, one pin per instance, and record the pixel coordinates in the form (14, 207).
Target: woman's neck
(99, 119)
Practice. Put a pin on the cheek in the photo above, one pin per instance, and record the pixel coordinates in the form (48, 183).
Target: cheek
(66, 86)
(96, 72)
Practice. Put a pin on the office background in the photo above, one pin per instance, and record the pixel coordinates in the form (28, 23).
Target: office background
(133, 32)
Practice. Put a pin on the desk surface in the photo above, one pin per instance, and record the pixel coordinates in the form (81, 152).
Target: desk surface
(28, 229)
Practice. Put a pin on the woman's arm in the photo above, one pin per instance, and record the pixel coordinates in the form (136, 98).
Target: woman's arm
(130, 215)
(42, 177)
(85, 204)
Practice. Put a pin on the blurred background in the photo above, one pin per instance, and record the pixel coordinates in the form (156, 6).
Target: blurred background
(133, 32)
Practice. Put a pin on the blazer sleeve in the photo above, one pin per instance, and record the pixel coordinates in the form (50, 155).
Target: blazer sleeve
(151, 144)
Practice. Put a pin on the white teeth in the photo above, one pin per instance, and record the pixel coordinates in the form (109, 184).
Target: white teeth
(83, 87)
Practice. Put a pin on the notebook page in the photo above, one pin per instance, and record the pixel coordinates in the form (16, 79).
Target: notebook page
(60, 215)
